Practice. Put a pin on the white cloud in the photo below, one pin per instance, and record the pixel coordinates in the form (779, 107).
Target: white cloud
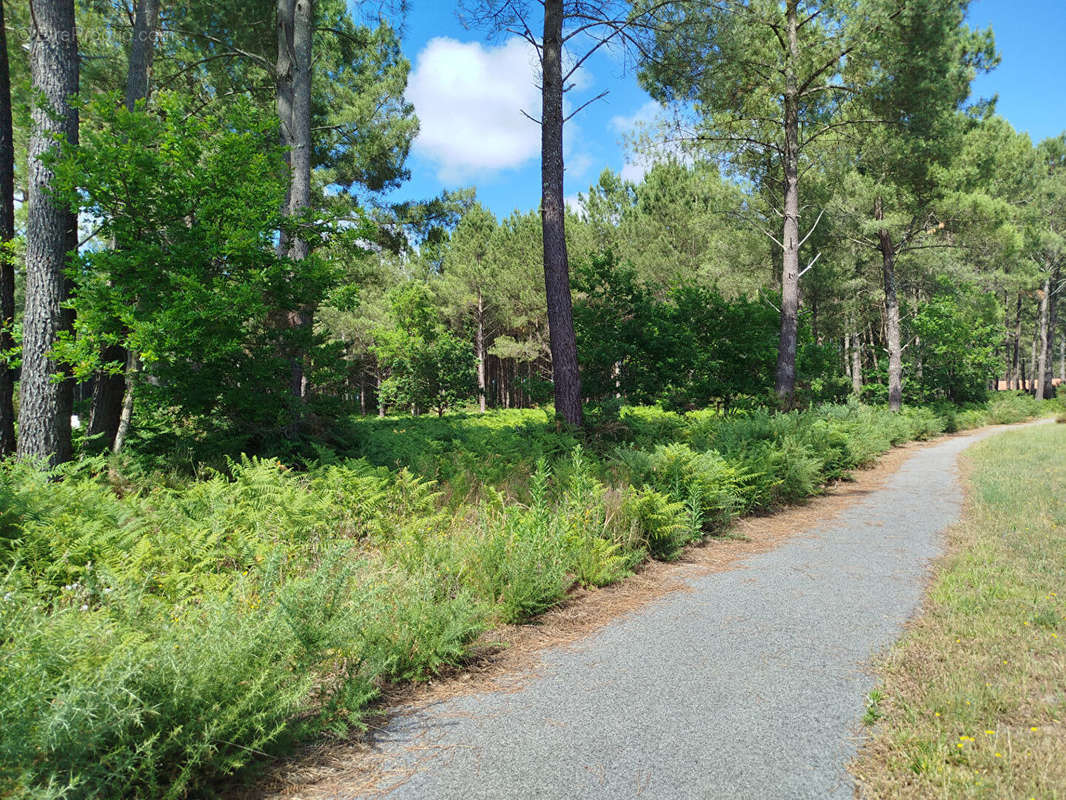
(635, 168)
(573, 202)
(578, 164)
(469, 99)
(641, 118)
(644, 147)
(629, 128)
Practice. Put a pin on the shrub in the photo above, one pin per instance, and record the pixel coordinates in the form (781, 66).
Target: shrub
(158, 631)
(652, 521)
(684, 475)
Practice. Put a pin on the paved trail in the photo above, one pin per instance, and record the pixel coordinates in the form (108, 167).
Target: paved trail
(752, 685)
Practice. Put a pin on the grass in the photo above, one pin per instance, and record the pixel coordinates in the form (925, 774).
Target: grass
(159, 631)
(972, 703)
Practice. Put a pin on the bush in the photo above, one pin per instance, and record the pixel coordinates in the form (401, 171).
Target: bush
(127, 696)
(158, 631)
(706, 480)
(652, 521)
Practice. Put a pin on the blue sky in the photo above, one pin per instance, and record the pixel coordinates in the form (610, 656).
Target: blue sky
(469, 92)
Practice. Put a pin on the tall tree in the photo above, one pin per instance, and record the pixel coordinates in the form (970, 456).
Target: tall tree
(919, 78)
(45, 397)
(766, 80)
(468, 282)
(7, 236)
(1050, 254)
(295, 20)
(112, 403)
(572, 31)
(553, 214)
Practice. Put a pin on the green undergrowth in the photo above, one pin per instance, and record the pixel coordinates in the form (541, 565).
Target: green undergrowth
(159, 632)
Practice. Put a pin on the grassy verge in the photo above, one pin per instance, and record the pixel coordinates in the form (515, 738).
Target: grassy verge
(158, 631)
(973, 701)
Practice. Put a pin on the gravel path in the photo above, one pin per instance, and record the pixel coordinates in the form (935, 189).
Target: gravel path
(751, 685)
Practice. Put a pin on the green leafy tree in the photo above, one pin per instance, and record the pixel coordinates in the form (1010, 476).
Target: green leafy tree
(954, 352)
(688, 348)
(196, 281)
(427, 366)
(767, 82)
(681, 223)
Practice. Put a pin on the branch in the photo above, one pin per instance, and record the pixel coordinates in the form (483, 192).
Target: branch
(189, 67)
(581, 107)
(843, 123)
(774, 238)
(815, 225)
(808, 267)
(263, 62)
(827, 87)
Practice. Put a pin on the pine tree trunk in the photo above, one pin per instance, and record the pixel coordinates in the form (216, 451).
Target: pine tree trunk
(7, 234)
(1016, 363)
(1033, 348)
(856, 364)
(785, 376)
(142, 51)
(109, 388)
(1043, 351)
(480, 343)
(563, 342)
(295, 19)
(847, 356)
(1006, 341)
(45, 405)
(108, 391)
(892, 332)
(1048, 369)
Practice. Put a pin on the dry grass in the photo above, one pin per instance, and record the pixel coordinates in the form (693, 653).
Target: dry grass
(973, 700)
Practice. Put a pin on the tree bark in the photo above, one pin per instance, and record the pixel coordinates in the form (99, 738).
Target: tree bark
(480, 344)
(1044, 352)
(1048, 381)
(45, 405)
(785, 376)
(1032, 362)
(142, 52)
(295, 20)
(1016, 363)
(110, 388)
(7, 234)
(856, 364)
(562, 340)
(892, 332)
(126, 413)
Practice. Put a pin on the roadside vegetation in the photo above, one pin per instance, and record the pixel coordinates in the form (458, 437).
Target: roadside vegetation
(158, 631)
(972, 702)
(243, 484)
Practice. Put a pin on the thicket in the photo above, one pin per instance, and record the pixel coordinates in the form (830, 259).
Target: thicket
(158, 632)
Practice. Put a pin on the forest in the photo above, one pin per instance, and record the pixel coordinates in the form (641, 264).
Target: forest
(271, 441)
